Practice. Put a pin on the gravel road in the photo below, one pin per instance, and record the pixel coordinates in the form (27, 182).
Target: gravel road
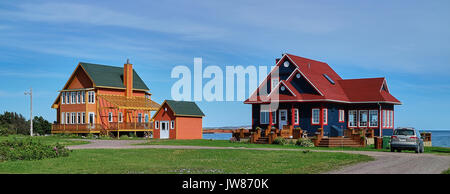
(384, 163)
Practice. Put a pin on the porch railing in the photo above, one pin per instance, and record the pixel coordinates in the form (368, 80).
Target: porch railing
(130, 126)
(61, 128)
(76, 127)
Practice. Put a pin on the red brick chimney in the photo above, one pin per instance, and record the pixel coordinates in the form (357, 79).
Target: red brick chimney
(128, 78)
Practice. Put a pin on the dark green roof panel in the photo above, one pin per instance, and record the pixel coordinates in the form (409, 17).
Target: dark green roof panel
(185, 108)
(110, 76)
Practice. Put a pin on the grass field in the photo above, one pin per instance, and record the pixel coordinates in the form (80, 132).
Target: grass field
(226, 143)
(165, 161)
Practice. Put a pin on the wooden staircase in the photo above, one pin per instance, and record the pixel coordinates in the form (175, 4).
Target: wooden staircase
(338, 142)
(262, 140)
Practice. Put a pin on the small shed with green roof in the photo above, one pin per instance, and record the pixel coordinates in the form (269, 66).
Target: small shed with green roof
(178, 120)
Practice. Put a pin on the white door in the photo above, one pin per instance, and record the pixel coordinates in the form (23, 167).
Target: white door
(282, 118)
(164, 132)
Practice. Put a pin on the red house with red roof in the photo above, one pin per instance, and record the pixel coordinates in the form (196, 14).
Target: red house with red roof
(309, 94)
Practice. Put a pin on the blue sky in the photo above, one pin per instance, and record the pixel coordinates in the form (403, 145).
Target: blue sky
(407, 42)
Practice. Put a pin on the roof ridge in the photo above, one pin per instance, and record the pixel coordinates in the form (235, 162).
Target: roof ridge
(363, 78)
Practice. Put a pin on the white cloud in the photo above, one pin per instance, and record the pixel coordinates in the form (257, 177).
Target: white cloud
(89, 14)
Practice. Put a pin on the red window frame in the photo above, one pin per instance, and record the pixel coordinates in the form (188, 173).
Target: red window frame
(341, 116)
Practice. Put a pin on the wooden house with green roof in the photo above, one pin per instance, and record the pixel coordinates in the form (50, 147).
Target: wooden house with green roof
(178, 120)
(104, 99)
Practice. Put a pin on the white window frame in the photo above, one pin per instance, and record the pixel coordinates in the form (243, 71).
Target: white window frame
(156, 124)
(296, 116)
(74, 118)
(371, 113)
(83, 97)
(93, 117)
(313, 121)
(264, 116)
(274, 117)
(110, 117)
(359, 118)
(72, 98)
(172, 124)
(83, 118)
(63, 98)
(120, 117)
(78, 117)
(388, 124)
(68, 98)
(63, 117)
(354, 114)
(68, 118)
(325, 116)
(391, 119)
(78, 98)
(341, 115)
(91, 96)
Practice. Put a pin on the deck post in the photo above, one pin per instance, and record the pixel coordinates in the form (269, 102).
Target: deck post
(118, 124)
(292, 115)
(270, 118)
(321, 116)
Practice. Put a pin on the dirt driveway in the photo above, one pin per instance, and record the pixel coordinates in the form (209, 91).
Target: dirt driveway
(384, 163)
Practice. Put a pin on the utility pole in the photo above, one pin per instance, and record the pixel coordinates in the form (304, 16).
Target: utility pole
(31, 109)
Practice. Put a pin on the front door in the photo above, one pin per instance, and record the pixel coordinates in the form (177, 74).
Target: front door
(282, 118)
(164, 132)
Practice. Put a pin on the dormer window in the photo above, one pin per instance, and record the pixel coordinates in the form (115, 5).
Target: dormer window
(298, 76)
(283, 88)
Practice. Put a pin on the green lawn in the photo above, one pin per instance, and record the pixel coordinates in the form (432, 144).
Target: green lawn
(49, 140)
(167, 161)
(226, 143)
(446, 172)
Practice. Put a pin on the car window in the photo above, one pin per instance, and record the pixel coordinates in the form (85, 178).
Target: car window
(404, 132)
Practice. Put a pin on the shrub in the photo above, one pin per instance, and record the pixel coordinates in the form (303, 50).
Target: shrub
(67, 135)
(304, 142)
(279, 141)
(105, 137)
(91, 136)
(233, 140)
(4, 131)
(29, 149)
(124, 137)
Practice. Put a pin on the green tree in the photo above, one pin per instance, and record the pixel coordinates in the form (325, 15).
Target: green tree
(14, 123)
(41, 126)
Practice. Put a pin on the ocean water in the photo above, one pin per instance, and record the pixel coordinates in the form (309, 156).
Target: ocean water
(217, 136)
(439, 138)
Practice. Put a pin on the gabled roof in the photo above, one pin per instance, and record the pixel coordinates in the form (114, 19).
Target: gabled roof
(329, 85)
(183, 108)
(110, 76)
(369, 89)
